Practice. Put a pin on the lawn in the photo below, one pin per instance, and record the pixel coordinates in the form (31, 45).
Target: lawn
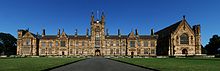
(176, 64)
(33, 64)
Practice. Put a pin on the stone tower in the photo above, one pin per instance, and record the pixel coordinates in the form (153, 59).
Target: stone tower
(197, 31)
(97, 32)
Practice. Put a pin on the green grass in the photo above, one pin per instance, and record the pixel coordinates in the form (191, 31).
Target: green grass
(176, 64)
(32, 64)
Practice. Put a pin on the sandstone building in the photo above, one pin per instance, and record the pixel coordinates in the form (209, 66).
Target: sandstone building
(179, 39)
(176, 40)
(98, 42)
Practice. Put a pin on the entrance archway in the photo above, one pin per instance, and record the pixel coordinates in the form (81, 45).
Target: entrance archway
(62, 52)
(185, 52)
(97, 52)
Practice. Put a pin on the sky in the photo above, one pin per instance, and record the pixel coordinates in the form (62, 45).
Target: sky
(120, 14)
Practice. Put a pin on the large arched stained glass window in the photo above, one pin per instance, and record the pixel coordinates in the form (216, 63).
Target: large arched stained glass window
(184, 39)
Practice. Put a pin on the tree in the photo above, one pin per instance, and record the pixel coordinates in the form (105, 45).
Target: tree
(213, 47)
(8, 44)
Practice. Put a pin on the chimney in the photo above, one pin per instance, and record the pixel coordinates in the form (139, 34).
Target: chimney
(87, 32)
(92, 18)
(75, 32)
(58, 34)
(37, 34)
(43, 33)
(136, 32)
(119, 33)
(103, 17)
(152, 32)
(107, 32)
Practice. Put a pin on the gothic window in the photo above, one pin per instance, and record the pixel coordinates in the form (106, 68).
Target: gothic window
(145, 43)
(63, 44)
(111, 51)
(111, 43)
(132, 43)
(152, 44)
(184, 39)
(106, 43)
(123, 43)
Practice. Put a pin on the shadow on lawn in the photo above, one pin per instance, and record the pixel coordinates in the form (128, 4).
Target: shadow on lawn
(211, 59)
(135, 65)
(64, 64)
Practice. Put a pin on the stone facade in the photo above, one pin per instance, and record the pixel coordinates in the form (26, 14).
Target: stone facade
(179, 39)
(98, 42)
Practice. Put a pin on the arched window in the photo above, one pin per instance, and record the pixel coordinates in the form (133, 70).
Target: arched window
(184, 39)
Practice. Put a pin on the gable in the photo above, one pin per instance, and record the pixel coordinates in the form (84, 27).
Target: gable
(63, 35)
(184, 27)
(28, 34)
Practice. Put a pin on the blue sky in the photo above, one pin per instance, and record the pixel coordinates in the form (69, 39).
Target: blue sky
(124, 14)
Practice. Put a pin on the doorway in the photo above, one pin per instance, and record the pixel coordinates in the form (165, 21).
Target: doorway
(184, 52)
(62, 52)
(132, 54)
(97, 52)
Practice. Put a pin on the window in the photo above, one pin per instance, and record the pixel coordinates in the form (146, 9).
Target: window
(83, 43)
(152, 51)
(184, 39)
(27, 42)
(43, 44)
(145, 51)
(138, 51)
(139, 43)
(77, 43)
(50, 44)
(63, 44)
(106, 43)
(57, 43)
(145, 43)
(117, 51)
(132, 43)
(117, 43)
(152, 43)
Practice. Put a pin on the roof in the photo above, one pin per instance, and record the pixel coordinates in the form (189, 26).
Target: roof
(78, 37)
(116, 37)
(49, 37)
(169, 29)
(148, 36)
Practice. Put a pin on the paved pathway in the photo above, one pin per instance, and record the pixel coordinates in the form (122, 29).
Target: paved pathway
(99, 64)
